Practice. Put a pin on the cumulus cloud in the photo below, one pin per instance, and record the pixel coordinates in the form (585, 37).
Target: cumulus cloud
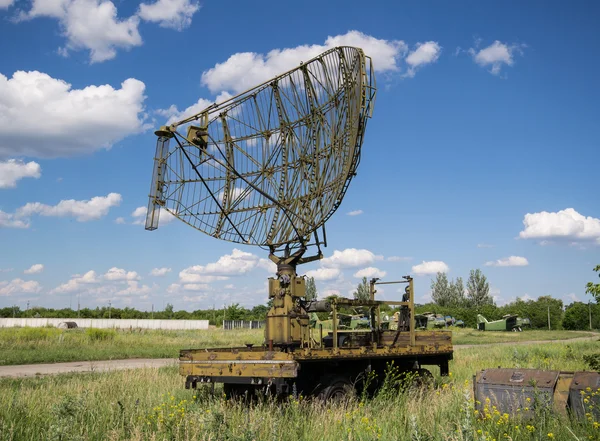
(355, 213)
(370, 272)
(173, 114)
(115, 282)
(246, 69)
(8, 220)
(14, 170)
(5, 4)
(565, 224)
(496, 55)
(19, 286)
(160, 272)
(509, 261)
(424, 53)
(175, 14)
(82, 211)
(76, 283)
(237, 263)
(139, 216)
(431, 267)
(34, 269)
(349, 258)
(75, 121)
(324, 273)
(119, 274)
(91, 25)
(133, 289)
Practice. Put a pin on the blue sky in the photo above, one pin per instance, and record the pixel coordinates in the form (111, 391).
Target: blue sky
(482, 151)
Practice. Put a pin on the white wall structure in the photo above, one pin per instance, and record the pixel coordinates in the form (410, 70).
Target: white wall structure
(105, 323)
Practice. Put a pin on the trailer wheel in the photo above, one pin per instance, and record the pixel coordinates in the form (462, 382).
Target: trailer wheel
(238, 391)
(419, 378)
(335, 389)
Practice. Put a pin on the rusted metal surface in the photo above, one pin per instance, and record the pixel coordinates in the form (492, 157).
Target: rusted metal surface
(584, 394)
(258, 362)
(514, 390)
(241, 362)
(523, 391)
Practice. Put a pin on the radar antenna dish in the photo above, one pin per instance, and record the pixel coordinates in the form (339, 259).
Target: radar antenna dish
(269, 166)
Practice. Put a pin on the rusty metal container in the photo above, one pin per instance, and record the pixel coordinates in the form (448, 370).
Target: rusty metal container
(584, 394)
(512, 390)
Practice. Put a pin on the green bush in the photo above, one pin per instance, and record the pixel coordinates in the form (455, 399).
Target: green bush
(95, 334)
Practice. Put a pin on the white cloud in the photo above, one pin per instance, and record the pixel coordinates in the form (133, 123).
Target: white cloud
(509, 261)
(118, 274)
(247, 69)
(398, 259)
(176, 14)
(237, 263)
(89, 25)
(6, 270)
(75, 121)
(115, 282)
(573, 297)
(370, 272)
(82, 211)
(120, 221)
(14, 170)
(324, 273)
(76, 283)
(189, 275)
(8, 220)
(267, 265)
(173, 114)
(425, 53)
(19, 286)
(349, 258)
(330, 292)
(355, 213)
(566, 224)
(196, 287)
(34, 269)
(431, 267)
(5, 4)
(134, 289)
(159, 272)
(139, 216)
(496, 55)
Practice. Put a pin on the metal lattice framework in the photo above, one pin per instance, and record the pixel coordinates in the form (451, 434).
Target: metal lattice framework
(271, 165)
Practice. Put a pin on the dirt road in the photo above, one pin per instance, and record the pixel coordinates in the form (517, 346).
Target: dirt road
(33, 370)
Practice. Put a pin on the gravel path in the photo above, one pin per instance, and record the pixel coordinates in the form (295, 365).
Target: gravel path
(34, 370)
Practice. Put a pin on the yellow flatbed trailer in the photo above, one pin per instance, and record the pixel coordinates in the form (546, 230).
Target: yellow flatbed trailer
(315, 370)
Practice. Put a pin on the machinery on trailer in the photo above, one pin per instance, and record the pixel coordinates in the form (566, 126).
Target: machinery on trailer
(269, 167)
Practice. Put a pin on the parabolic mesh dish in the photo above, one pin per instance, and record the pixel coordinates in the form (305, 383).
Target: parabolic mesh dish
(277, 159)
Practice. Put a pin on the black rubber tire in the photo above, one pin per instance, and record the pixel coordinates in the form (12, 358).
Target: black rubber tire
(238, 391)
(335, 389)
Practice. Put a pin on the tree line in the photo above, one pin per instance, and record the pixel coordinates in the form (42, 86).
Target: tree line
(214, 316)
(452, 298)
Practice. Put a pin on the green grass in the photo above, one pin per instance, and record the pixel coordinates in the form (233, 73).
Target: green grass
(51, 345)
(151, 404)
(475, 337)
